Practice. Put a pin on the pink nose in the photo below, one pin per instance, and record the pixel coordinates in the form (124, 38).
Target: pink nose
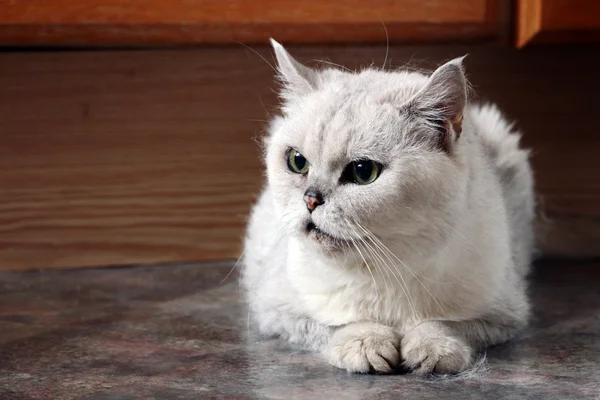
(312, 202)
(313, 199)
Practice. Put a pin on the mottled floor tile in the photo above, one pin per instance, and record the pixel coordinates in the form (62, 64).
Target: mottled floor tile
(177, 332)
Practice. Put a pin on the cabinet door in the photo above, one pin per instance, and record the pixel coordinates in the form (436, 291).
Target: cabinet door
(557, 21)
(168, 22)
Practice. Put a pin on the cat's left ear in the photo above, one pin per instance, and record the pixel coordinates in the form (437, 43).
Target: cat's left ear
(297, 78)
(442, 101)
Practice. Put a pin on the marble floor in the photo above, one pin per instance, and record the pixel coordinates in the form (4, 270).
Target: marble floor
(179, 332)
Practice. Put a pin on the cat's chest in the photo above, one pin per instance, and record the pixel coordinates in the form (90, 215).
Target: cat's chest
(334, 294)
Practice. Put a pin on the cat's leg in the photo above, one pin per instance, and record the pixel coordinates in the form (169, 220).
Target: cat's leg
(449, 346)
(296, 329)
(363, 347)
(356, 347)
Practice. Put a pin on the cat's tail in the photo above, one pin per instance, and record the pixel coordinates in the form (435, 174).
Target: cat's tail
(567, 236)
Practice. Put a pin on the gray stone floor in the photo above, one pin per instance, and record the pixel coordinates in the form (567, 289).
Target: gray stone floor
(177, 332)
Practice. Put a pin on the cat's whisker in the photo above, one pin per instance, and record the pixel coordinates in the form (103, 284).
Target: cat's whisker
(334, 65)
(233, 268)
(370, 249)
(263, 106)
(380, 296)
(248, 324)
(462, 236)
(399, 279)
(413, 272)
(402, 284)
(366, 263)
(395, 272)
(388, 251)
(387, 44)
(380, 267)
(390, 272)
(258, 54)
(456, 279)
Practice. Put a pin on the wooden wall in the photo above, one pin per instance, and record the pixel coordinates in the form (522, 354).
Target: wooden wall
(123, 157)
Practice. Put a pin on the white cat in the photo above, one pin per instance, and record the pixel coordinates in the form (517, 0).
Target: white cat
(396, 224)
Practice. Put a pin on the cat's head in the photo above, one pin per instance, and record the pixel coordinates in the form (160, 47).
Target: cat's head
(362, 154)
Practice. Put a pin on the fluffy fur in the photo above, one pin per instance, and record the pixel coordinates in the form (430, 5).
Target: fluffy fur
(425, 265)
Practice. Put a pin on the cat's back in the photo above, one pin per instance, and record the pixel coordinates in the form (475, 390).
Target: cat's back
(510, 162)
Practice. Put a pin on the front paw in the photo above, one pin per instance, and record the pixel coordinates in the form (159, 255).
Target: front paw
(364, 347)
(431, 347)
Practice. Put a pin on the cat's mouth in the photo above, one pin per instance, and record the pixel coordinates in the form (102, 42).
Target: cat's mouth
(324, 238)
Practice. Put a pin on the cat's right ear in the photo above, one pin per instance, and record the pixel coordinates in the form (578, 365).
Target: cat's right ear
(443, 99)
(297, 78)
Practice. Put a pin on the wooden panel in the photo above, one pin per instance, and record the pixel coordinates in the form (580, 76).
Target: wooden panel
(152, 22)
(151, 156)
(546, 21)
(108, 158)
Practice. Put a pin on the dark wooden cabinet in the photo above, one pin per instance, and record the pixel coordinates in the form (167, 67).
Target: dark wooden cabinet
(557, 21)
(185, 22)
(102, 23)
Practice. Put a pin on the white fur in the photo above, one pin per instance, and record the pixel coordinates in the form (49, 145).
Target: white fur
(455, 217)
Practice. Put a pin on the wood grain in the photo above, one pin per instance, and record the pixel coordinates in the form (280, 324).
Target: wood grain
(556, 21)
(162, 22)
(111, 158)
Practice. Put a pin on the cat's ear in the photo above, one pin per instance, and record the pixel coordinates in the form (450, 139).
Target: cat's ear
(442, 101)
(297, 78)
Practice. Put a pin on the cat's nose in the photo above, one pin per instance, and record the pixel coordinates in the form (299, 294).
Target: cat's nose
(313, 199)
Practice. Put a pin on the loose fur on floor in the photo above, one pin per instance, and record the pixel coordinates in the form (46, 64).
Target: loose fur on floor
(396, 224)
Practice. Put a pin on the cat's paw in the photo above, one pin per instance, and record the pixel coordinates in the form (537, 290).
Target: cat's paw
(430, 347)
(363, 347)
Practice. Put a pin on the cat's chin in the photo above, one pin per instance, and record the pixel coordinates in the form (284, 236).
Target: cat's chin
(325, 240)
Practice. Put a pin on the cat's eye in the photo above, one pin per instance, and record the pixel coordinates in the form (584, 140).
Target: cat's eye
(363, 172)
(297, 162)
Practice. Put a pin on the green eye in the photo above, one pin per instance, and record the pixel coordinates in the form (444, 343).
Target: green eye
(364, 171)
(297, 163)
